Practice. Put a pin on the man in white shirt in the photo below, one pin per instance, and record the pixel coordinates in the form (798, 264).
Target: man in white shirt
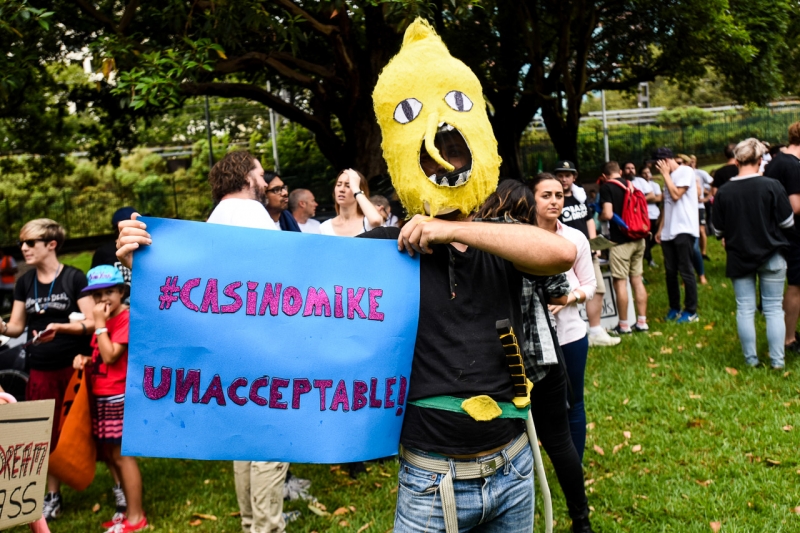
(238, 187)
(677, 234)
(303, 206)
(237, 183)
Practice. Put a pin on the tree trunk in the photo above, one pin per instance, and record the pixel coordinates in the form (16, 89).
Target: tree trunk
(563, 131)
(508, 147)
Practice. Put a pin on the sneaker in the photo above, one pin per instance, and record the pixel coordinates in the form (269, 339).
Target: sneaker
(603, 339)
(620, 331)
(777, 367)
(116, 519)
(673, 315)
(127, 527)
(52, 506)
(687, 317)
(119, 498)
(291, 516)
(653, 264)
(636, 328)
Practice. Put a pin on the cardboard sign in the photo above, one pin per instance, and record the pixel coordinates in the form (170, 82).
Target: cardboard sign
(24, 449)
(267, 345)
(609, 315)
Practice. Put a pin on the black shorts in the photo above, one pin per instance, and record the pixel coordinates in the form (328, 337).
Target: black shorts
(793, 263)
(702, 216)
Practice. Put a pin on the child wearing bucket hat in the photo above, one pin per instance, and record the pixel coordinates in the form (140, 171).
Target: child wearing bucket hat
(108, 367)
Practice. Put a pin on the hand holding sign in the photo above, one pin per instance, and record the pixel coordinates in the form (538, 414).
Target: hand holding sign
(271, 353)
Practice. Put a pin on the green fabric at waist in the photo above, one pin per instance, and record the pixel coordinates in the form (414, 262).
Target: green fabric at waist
(453, 404)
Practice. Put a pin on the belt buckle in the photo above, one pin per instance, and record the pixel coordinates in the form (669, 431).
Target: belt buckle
(488, 468)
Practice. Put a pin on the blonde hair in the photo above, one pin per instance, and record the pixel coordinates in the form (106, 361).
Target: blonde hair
(364, 187)
(45, 229)
(749, 151)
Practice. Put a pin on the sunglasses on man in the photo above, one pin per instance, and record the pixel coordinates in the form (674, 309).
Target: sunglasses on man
(30, 243)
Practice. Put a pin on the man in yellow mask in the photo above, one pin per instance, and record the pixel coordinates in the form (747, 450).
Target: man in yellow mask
(465, 458)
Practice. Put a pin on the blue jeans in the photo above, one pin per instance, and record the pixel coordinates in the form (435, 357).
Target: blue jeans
(772, 274)
(501, 503)
(575, 354)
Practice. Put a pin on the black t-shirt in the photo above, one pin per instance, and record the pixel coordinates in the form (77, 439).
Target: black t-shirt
(751, 214)
(458, 352)
(786, 169)
(723, 174)
(107, 255)
(576, 215)
(60, 352)
(615, 195)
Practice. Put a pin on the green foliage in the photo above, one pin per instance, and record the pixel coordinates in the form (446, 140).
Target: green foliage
(683, 116)
(302, 164)
(636, 142)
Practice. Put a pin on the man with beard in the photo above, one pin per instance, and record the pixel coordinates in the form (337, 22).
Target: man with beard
(237, 183)
(238, 187)
(277, 203)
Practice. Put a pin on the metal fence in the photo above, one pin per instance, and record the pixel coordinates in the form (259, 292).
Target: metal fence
(89, 215)
(637, 142)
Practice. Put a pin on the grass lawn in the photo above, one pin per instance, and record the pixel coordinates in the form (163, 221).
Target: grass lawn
(710, 441)
(81, 261)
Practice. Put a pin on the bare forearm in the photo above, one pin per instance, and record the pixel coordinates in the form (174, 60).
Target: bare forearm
(84, 327)
(531, 249)
(674, 192)
(109, 351)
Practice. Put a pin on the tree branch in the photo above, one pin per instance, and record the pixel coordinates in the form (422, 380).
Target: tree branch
(325, 29)
(127, 15)
(97, 15)
(258, 94)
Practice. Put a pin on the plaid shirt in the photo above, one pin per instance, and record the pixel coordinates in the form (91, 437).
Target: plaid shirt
(538, 349)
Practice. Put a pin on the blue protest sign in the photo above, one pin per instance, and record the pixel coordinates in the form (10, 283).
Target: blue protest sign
(268, 345)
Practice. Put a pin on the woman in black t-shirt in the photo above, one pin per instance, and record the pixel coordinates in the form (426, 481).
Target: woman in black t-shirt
(44, 299)
(751, 214)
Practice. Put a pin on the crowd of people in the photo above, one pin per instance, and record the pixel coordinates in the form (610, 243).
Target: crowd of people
(77, 321)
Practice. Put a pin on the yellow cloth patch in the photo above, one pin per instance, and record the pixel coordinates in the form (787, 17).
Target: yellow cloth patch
(418, 86)
(481, 408)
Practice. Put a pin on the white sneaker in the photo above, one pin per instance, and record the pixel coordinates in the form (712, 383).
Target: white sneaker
(603, 339)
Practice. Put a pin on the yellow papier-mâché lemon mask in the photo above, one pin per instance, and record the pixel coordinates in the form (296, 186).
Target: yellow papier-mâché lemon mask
(437, 139)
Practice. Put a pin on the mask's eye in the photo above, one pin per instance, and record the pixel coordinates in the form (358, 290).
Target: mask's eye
(407, 110)
(458, 101)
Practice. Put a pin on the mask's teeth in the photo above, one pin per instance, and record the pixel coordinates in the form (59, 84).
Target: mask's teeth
(432, 178)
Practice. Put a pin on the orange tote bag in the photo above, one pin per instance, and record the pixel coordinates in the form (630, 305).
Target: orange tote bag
(74, 459)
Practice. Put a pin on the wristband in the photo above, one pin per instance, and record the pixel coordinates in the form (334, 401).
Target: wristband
(84, 328)
(100, 331)
(577, 296)
(357, 193)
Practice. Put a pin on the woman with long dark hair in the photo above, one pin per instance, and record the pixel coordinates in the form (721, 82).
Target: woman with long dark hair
(514, 202)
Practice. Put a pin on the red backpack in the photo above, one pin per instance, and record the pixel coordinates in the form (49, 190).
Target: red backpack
(634, 212)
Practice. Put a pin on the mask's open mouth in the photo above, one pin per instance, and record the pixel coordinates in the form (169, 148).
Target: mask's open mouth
(453, 148)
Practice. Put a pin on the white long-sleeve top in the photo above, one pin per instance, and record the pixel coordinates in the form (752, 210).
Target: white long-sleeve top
(569, 324)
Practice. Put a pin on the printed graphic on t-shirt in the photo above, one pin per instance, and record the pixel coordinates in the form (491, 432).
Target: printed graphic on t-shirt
(574, 212)
(57, 302)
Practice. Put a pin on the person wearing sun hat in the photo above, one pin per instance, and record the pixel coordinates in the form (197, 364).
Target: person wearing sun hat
(107, 369)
